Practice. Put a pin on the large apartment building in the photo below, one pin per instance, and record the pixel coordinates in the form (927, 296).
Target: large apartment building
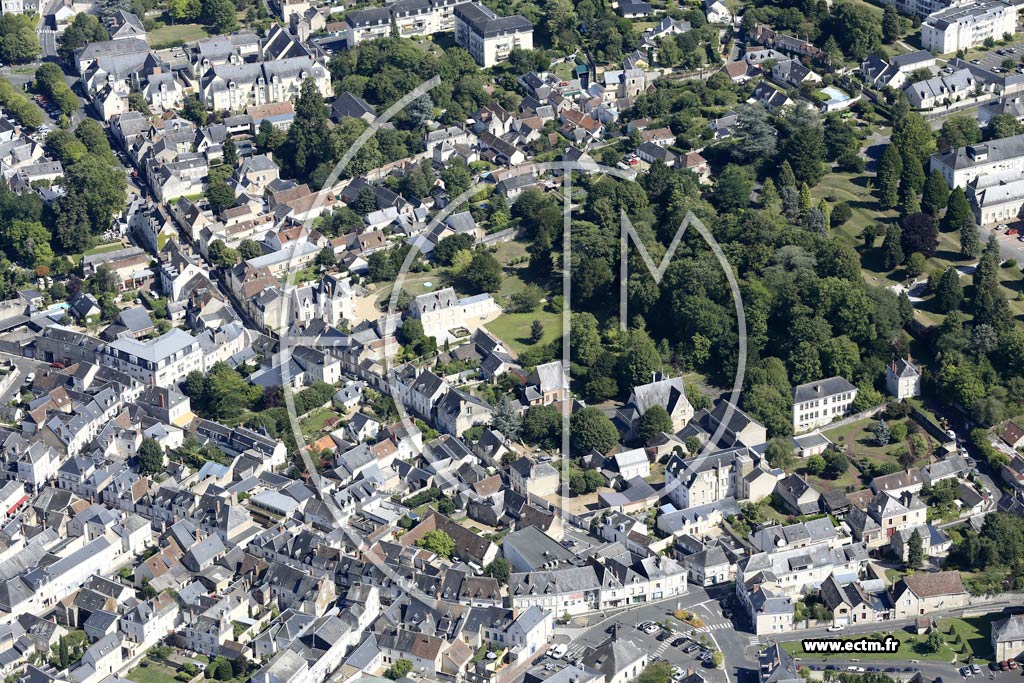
(962, 165)
(233, 87)
(815, 404)
(488, 37)
(407, 17)
(161, 362)
(965, 26)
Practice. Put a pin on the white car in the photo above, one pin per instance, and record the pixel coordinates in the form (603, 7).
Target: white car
(30, 377)
(1002, 227)
(653, 628)
(834, 628)
(558, 651)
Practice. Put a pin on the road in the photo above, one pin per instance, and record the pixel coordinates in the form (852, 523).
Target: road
(739, 647)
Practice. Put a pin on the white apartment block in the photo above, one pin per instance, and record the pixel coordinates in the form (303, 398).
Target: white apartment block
(233, 87)
(440, 312)
(408, 17)
(997, 198)
(965, 26)
(920, 8)
(963, 165)
(488, 37)
(818, 403)
(161, 362)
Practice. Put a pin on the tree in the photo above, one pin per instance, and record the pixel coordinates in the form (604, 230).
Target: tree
(184, 10)
(836, 464)
(483, 274)
(268, 138)
(446, 249)
(804, 144)
(221, 255)
(890, 168)
(500, 570)
(958, 131)
(754, 134)
(307, 142)
(536, 331)
(653, 422)
(912, 136)
(28, 243)
(920, 234)
(194, 110)
(815, 465)
(892, 251)
(590, 429)
(950, 293)
(399, 669)
(507, 419)
(219, 195)
(733, 188)
(456, 177)
(62, 653)
(970, 242)
(248, 249)
(151, 456)
(655, 672)
(1004, 126)
(891, 25)
(916, 264)
(856, 30)
(230, 153)
(935, 194)
(640, 361)
(220, 15)
(84, 29)
(437, 542)
(542, 425)
(779, 453)
(882, 433)
(717, 659)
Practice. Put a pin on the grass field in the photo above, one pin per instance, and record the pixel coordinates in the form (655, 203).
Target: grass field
(104, 248)
(154, 673)
(175, 35)
(313, 426)
(514, 328)
(962, 637)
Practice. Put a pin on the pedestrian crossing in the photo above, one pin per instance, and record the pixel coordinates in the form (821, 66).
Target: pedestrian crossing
(711, 627)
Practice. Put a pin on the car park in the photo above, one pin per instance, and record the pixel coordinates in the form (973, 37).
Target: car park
(652, 628)
(891, 670)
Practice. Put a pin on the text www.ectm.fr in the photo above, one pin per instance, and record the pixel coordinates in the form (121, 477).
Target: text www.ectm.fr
(888, 645)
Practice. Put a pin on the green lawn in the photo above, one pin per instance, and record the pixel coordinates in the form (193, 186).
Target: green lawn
(175, 35)
(315, 423)
(104, 248)
(514, 328)
(155, 672)
(963, 637)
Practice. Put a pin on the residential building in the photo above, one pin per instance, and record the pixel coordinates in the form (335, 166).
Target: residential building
(163, 361)
(816, 404)
(927, 592)
(903, 378)
(965, 26)
(490, 38)
(960, 166)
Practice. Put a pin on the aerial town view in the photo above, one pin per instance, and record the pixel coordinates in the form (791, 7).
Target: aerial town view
(511, 341)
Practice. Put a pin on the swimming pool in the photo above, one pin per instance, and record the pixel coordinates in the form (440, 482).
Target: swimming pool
(835, 94)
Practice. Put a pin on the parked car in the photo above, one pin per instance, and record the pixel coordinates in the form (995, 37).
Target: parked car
(680, 641)
(975, 669)
(665, 635)
(835, 627)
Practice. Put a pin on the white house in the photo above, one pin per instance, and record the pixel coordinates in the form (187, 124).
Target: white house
(816, 404)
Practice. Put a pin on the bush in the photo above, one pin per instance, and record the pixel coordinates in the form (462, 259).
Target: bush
(1010, 263)
(841, 213)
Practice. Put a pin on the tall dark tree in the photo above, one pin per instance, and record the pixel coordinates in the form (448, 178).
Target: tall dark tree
(892, 250)
(935, 194)
(891, 24)
(804, 145)
(915, 551)
(920, 235)
(230, 152)
(949, 294)
(890, 169)
(306, 145)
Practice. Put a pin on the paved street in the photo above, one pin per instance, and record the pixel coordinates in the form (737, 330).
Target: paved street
(738, 647)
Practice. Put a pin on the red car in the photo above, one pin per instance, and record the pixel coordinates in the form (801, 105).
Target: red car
(57, 364)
